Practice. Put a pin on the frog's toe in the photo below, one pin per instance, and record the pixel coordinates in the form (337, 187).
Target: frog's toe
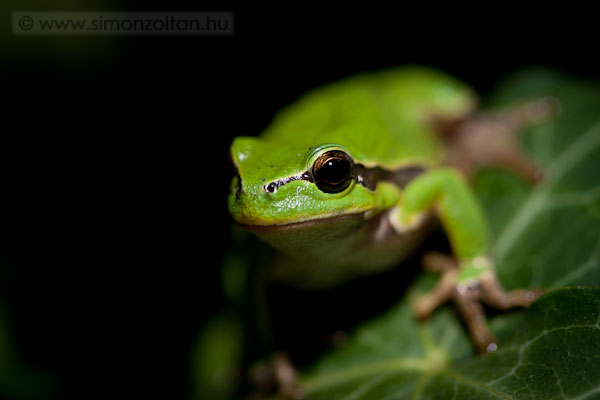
(438, 262)
(467, 300)
(424, 306)
(276, 376)
(446, 265)
(287, 378)
(468, 287)
(494, 295)
(488, 290)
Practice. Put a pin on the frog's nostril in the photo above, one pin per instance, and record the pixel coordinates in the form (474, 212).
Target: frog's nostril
(271, 187)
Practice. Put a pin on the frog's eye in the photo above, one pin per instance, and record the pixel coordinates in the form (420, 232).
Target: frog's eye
(333, 171)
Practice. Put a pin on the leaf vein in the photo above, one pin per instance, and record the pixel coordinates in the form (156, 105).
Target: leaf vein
(577, 151)
(572, 276)
(480, 385)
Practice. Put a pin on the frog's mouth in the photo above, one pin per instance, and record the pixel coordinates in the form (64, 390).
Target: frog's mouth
(318, 236)
(310, 224)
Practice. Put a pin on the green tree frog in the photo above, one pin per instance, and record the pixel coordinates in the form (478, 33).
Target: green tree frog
(344, 182)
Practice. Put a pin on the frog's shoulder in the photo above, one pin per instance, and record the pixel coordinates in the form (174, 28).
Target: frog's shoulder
(382, 118)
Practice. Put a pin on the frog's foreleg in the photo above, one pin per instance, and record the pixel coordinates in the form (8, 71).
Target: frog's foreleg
(468, 278)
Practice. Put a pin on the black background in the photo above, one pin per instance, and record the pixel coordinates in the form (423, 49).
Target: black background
(115, 169)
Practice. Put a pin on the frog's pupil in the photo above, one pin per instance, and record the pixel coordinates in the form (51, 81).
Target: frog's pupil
(334, 171)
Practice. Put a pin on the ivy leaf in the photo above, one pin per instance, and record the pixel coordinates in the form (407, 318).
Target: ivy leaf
(549, 351)
(545, 236)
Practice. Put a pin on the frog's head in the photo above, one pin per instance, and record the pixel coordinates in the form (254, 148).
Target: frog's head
(278, 185)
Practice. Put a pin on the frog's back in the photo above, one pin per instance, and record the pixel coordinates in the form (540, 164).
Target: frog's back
(382, 118)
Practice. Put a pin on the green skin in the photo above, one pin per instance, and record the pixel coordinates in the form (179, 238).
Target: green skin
(382, 121)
